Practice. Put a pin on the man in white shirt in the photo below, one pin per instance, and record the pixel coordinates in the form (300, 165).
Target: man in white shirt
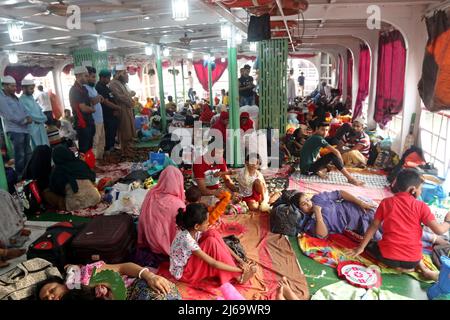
(291, 87)
(191, 94)
(43, 98)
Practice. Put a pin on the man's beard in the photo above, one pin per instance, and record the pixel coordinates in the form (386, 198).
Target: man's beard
(91, 84)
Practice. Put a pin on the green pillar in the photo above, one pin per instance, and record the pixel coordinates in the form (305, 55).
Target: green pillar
(162, 107)
(273, 56)
(233, 98)
(174, 82)
(182, 77)
(3, 181)
(211, 101)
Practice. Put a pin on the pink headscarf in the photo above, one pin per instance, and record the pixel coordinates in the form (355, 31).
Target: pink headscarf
(157, 226)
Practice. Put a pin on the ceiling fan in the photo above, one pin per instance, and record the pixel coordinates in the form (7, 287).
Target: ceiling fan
(59, 8)
(186, 41)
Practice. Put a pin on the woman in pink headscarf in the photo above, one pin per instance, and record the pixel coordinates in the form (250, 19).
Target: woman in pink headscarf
(157, 226)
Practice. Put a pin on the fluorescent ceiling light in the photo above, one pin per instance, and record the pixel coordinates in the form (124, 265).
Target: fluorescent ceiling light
(148, 50)
(12, 57)
(101, 44)
(15, 31)
(180, 10)
(166, 52)
(190, 55)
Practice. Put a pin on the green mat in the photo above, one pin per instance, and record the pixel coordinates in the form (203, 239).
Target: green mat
(52, 216)
(148, 144)
(401, 284)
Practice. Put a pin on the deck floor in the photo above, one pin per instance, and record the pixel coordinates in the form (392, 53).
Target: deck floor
(400, 284)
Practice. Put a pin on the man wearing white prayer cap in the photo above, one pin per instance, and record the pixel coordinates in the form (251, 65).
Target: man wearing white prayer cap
(16, 120)
(37, 129)
(82, 110)
(355, 145)
(123, 97)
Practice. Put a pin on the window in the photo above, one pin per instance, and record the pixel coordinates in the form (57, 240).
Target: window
(326, 68)
(434, 139)
(394, 127)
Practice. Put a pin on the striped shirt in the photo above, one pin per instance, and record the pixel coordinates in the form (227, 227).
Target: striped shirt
(360, 138)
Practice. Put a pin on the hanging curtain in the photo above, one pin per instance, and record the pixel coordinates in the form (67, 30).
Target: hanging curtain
(341, 74)
(20, 72)
(390, 77)
(349, 79)
(201, 69)
(434, 85)
(364, 76)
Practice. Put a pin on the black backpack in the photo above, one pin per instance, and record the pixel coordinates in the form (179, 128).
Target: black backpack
(395, 171)
(168, 142)
(55, 244)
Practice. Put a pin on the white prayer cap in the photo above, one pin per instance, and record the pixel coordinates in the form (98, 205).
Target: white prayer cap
(8, 80)
(80, 69)
(27, 82)
(120, 67)
(360, 120)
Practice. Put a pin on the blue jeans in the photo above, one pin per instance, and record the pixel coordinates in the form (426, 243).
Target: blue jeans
(191, 94)
(22, 150)
(247, 101)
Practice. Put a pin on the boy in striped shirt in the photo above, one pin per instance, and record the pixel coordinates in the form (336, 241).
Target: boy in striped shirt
(355, 145)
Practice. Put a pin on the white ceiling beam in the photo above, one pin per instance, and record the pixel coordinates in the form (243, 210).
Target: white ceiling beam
(141, 24)
(225, 13)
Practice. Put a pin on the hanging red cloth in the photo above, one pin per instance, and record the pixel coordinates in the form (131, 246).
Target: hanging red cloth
(364, 76)
(349, 79)
(390, 77)
(201, 69)
(20, 72)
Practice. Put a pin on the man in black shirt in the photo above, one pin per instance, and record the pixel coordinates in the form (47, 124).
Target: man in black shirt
(301, 83)
(110, 110)
(246, 86)
(82, 110)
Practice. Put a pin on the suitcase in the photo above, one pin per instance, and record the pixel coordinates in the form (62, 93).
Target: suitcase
(54, 244)
(108, 238)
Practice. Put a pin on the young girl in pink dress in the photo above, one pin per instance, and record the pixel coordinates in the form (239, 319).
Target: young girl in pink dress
(198, 253)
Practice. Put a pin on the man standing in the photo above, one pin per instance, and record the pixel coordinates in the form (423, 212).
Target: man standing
(125, 102)
(301, 84)
(291, 87)
(37, 127)
(110, 110)
(16, 120)
(190, 80)
(246, 86)
(82, 110)
(43, 98)
(96, 100)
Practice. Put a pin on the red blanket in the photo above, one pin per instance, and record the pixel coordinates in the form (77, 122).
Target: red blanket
(272, 253)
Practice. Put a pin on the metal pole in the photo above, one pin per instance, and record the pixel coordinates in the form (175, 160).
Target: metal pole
(211, 101)
(174, 82)
(8, 144)
(162, 107)
(234, 98)
(182, 76)
(3, 181)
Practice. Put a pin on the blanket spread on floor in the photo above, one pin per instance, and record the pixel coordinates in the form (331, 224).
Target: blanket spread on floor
(371, 180)
(331, 251)
(272, 253)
